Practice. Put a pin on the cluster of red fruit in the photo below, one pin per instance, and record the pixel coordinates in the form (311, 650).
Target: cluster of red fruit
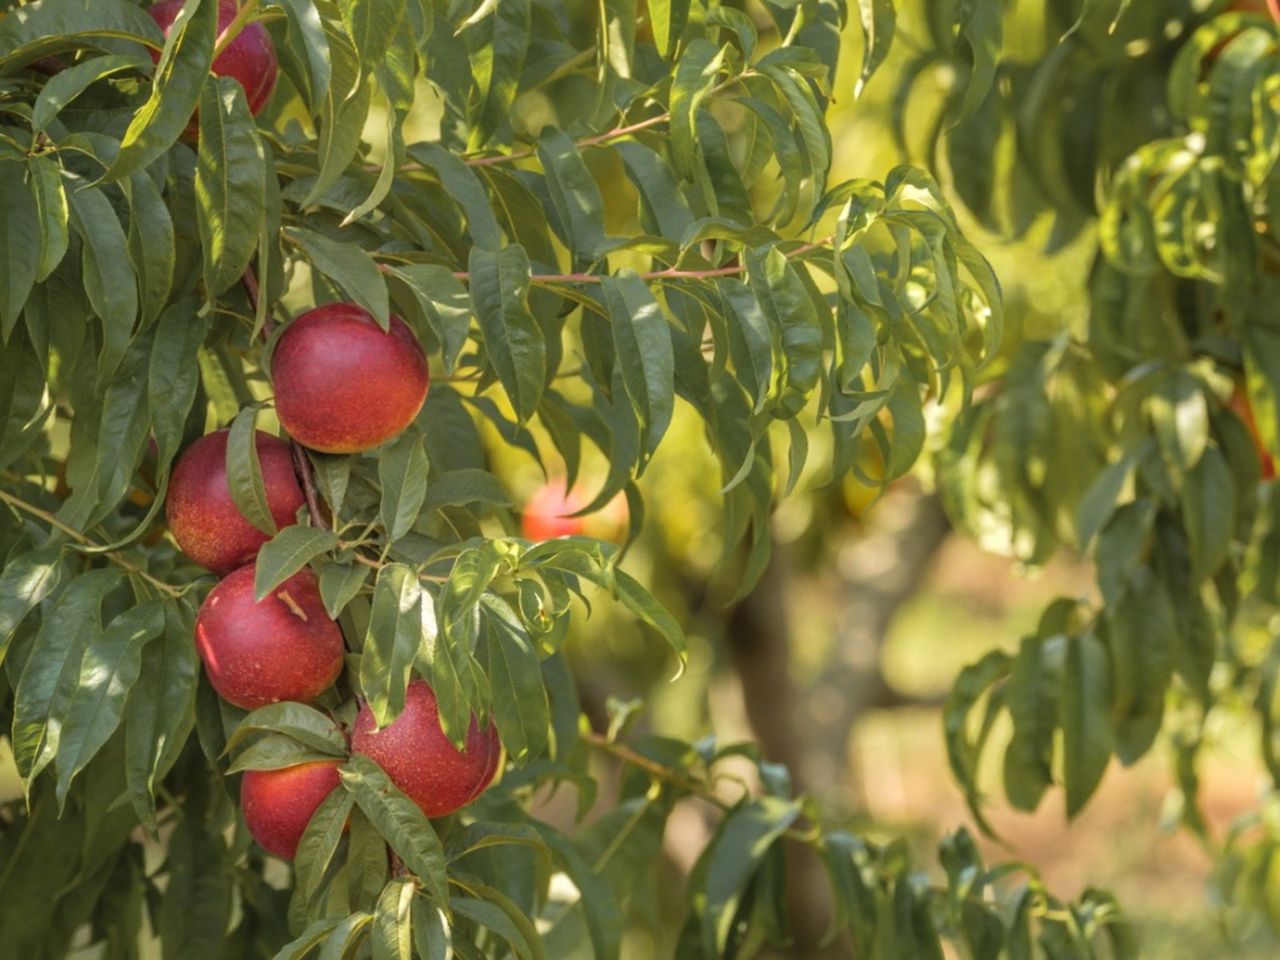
(286, 647)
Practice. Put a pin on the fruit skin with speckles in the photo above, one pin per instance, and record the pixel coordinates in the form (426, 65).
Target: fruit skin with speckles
(209, 527)
(284, 648)
(278, 804)
(418, 757)
(250, 58)
(342, 384)
(548, 514)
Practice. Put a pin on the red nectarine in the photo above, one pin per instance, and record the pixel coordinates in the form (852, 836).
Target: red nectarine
(418, 757)
(342, 384)
(284, 648)
(278, 804)
(548, 514)
(209, 527)
(250, 58)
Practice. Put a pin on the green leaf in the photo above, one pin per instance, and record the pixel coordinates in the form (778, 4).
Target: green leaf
(309, 939)
(319, 843)
(432, 930)
(275, 752)
(184, 67)
(108, 671)
(402, 474)
(497, 46)
(465, 189)
(230, 177)
(879, 19)
(339, 584)
(1141, 630)
(520, 707)
(151, 243)
(19, 256)
(400, 821)
(663, 208)
(343, 111)
(392, 935)
(1085, 719)
(349, 267)
(513, 340)
(574, 194)
(695, 78)
(371, 25)
(37, 29)
(789, 310)
(398, 623)
(25, 583)
(304, 20)
(196, 908)
(444, 303)
(642, 339)
(668, 18)
(173, 376)
(52, 670)
(599, 903)
(455, 488)
(72, 81)
(45, 179)
(159, 712)
(743, 841)
(244, 472)
(503, 919)
(104, 261)
(305, 724)
(346, 934)
(1209, 507)
(286, 553)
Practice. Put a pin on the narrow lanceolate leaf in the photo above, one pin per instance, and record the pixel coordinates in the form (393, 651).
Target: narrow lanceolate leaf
(25, 582)
(19, 248)
(319, 843)
(349, 267)
(343, 111)
(151, 243)
(1209, 506)
(519, 698)
(400, 821)
(68, 84)
(288, 552)
(744, 839)
(45, 180)
(402, 474)
(668, 18)
(305, 724)
(1142, 628)
(574, 194)
(339, 584)
(497, 45)
(108, 672)
(244, 472)
(444, 302)
(432, 930)
(695, 77)
(36, 29)
(787, 306)
(52, 669)
(396, 629)
(107, 273)
(229, 184)
(159, 712)
(464, 188)
(879, 18)
(1085, 719)
(371, 25)
(173, 375)
(513, 341)
(642, 339)
(175, 90)
(304, 21)
(345, 936)
(196, 907)
(392, 936)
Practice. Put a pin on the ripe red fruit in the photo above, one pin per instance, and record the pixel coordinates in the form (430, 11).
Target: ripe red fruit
(547, 515)
(420, 760)
(250, 58)
(209, 527)
(1240, 405)
(284, 648)
(278, 804)
(342, 384)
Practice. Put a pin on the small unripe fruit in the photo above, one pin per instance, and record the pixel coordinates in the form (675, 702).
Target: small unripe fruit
(342, 384)
(209, 527)
(284, 648)
(278, 804)
(418, 757)
(250, 58)
(548, 514)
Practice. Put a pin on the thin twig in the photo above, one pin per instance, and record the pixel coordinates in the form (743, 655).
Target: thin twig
(80, 538)
(302, 466)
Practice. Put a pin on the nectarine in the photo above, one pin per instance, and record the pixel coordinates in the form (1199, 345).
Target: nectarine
(419, 758)
(548, 514)
(284, 648)
(209, 527)
(342, 384)
(278, 804)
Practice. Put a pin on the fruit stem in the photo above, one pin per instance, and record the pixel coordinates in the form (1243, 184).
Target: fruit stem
(53, 521)
(228, 36)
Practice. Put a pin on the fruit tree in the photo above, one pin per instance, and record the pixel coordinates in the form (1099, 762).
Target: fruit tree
(281, 670)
